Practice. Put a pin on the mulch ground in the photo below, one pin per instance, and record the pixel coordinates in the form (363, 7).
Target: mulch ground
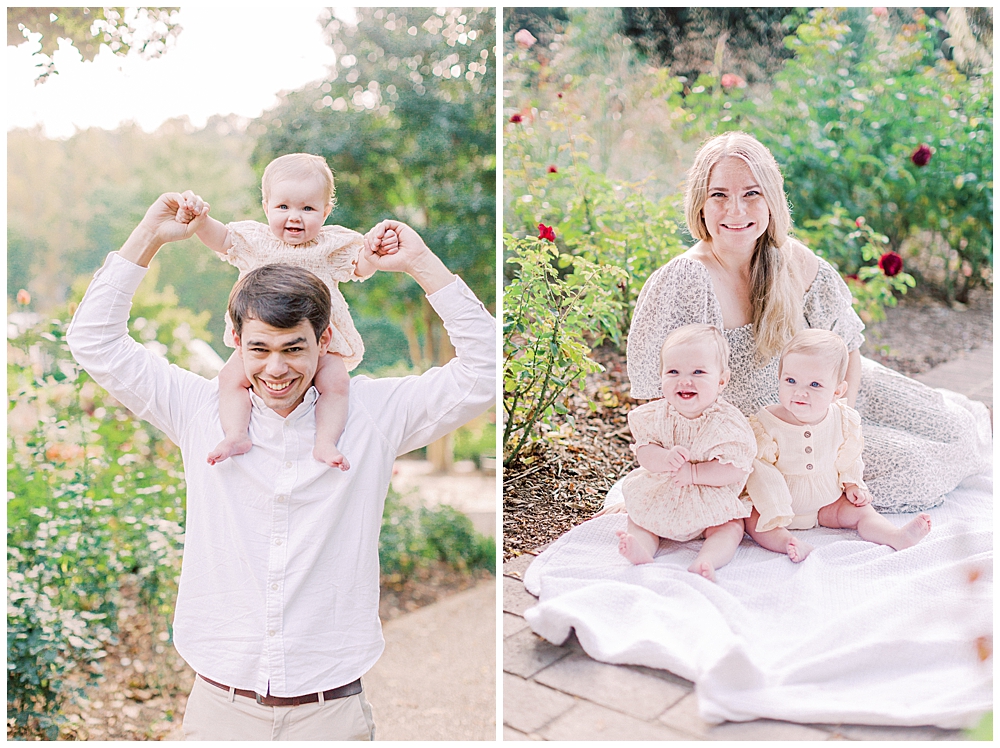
(562, 480)
(145, 682)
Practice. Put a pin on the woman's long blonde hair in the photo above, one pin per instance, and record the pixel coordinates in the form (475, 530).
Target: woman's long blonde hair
(775, 296)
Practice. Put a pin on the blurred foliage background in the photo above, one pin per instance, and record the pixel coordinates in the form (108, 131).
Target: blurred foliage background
(406, 121)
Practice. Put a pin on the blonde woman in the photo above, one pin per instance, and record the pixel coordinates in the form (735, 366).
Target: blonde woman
(749, 277)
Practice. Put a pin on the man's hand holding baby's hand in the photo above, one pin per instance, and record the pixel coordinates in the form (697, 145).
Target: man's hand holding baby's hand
(191, 206)
(857, 495)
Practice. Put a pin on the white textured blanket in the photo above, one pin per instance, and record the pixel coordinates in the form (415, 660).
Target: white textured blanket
(856, 634)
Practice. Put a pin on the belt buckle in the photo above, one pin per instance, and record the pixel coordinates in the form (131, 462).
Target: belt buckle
(260, 699)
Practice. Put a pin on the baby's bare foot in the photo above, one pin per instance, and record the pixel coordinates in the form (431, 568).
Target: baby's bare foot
(332, 456)
(704, 569)
(230, 447)
(631, 549)
(797, 549)
(912, 532)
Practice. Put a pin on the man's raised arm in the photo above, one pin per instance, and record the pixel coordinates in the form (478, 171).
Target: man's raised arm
(428, 406)
(98, 335)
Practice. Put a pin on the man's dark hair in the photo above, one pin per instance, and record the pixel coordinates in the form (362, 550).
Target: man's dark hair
(281, 296)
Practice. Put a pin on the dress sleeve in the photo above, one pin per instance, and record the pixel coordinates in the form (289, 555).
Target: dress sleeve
(643, 422)
(766, 486)
(343, 248)
(246, 248)
(850, 467)
(736, 444)
(828, 305)
(679, 293)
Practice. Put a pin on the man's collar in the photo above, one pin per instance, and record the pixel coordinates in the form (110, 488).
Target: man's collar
(308, 400)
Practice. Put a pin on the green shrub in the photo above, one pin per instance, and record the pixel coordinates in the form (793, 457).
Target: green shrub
(472, 441)
(413, 538)
(550, 321)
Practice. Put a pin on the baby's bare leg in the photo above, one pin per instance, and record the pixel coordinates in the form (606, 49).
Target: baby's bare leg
(779, 540)
(718, 549)
(637, 544)
(234, 410)
(334, 386)
(872, 526)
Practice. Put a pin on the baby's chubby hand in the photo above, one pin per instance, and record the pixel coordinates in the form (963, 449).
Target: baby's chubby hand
(857, 495)
(676, 458)
(190, 207)
(684, 475)
(382, 241)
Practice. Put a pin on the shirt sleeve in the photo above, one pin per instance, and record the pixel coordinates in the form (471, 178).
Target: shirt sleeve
(642, 422)
(245, 245)
(678, 294)
(413, 411)
(850, 466)
(766, 486)
(735, 443)
(828, 305)
(158, 392)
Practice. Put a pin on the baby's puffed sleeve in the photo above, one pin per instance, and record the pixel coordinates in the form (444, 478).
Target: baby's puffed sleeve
(644, 422)
(828, 305)
(766, 485)
(248, 245)
(734, 439)
(343, 248)
(850, 467)
(678, 294)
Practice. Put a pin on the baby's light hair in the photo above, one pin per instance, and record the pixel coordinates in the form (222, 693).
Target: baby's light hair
(820, 343)
(298, 166)
(697, 332)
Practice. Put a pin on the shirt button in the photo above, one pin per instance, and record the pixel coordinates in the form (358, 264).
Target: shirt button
(808, 434)
(271, 632)
(274, 586)
(281, 499)
(809, 467)
(288, 464)
(278, 541)
(809, 450)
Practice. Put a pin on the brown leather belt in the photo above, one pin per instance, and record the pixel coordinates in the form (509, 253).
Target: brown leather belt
(310, 698)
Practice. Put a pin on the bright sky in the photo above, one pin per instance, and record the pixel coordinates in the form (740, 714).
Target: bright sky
(226, 60)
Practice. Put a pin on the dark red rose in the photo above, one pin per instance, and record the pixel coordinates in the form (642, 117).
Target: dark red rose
(852, 276)
(559, 94)
(921, 156)
(890, 263)
(515, 118)
(546, 232)
(553, 170)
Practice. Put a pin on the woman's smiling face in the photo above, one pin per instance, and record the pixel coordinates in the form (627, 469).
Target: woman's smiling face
(735, 210)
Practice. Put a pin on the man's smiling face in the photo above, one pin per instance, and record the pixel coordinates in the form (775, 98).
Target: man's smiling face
(280, 363)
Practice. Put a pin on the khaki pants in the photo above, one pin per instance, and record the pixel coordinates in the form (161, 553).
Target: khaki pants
(213, 714)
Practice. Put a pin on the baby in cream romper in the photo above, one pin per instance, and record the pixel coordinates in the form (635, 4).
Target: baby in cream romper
(808, 470)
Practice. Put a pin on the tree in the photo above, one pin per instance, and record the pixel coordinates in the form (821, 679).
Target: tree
(147, 30)
(407, 121)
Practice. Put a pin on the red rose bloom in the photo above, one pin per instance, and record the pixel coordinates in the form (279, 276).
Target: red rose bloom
(859, 221)
(553, 170)
(515, 118)
(546, 232)
(921, 156)
(730, 80)
(890, 263)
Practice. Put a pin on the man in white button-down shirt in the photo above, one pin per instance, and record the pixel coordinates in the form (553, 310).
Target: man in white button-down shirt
(277, 608)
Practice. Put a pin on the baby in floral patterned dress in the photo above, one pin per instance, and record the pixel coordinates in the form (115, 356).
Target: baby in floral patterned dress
(808, 469)
(298, 195)
(695, 451)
